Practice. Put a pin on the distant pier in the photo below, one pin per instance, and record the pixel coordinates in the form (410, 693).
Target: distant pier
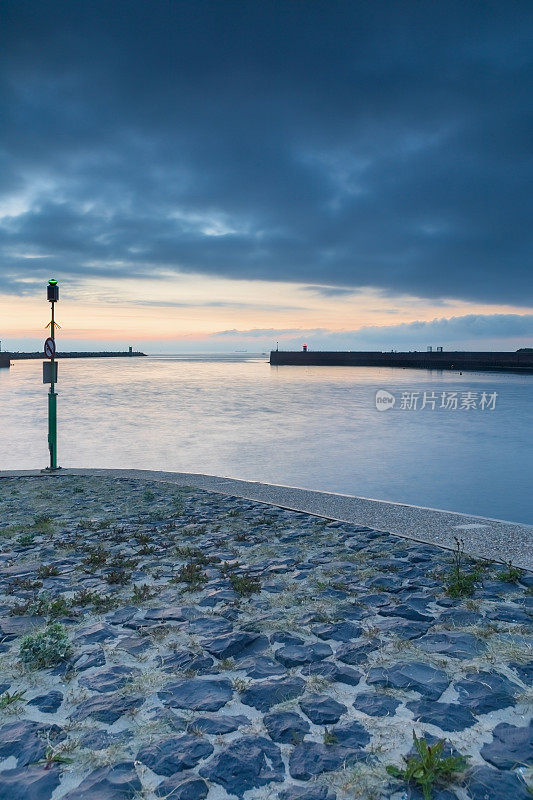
(519, 361)
(7, 357)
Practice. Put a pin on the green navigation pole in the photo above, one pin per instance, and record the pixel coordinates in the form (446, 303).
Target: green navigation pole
(50, 352)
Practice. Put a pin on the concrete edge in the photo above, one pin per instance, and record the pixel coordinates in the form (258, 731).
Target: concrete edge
(484, 537)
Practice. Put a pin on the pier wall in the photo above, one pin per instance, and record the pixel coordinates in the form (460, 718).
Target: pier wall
(513, 361)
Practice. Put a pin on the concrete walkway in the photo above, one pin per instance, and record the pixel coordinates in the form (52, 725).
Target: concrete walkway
(483, 537)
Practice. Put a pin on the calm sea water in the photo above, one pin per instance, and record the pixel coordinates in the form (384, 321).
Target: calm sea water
(312, 427)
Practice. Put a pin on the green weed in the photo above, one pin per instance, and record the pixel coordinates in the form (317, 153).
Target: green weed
(8, 699)
(245, 585)
(428, 767)
(461, 583)
(510, 574)
(45, 648)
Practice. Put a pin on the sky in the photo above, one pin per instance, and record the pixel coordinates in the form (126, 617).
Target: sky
(213, 175)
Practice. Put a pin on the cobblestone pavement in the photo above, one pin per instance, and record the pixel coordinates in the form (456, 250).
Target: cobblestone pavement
(160, 641)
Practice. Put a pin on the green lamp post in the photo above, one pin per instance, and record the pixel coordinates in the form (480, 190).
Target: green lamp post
(52, 295)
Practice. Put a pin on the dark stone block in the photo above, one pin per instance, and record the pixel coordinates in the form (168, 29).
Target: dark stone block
(407, 611)
(219, 725)
(413, 675)
(209, 626)
(99, 632)
(122, 615)
(451, 643)
(376, 705)
(265, 694)
(170, 614)
(332, 672)
(94, 657)
(47, 703)
(338, 631)
(197, 694)
(229, 645)
(179, 787)
(25, 740)
(321, 709)
(109, 680)
(448, 716)
(353, 734)
(293, 655)
(107, 708)
(261, 667)
(313, 758)
(389, 584)
(174, 754)
(245, 764)
(485, 692)
(255, 648)
(11, 627)
(29, 783)
(511, 746)
(511, 613)
(285, 638)
(118, 782)
(356, 653)
(186, 660)
(486, 783)
(286, 727)
(457, 617)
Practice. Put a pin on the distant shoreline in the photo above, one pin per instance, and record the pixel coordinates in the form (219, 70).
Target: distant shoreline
(78, 354)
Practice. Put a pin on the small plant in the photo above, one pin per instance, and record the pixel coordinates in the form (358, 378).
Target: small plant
(240, 685)
(197, 555)
(55, 757)
(510, 574)
(27, 539)
(41, 519)
(461, 583)
(191, 574)
(329, 737)
(47, 571)
(97, 556)
(142, 592)
(45, 648)
(8, 699)
(117, 576)
(43, 605)
(245, 585)
(89, 597)
(428, 766)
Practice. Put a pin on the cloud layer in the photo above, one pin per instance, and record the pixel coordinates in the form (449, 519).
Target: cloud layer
(477, 331)
(380, 145)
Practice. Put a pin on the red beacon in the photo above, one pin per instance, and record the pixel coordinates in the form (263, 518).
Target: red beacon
(305, 348)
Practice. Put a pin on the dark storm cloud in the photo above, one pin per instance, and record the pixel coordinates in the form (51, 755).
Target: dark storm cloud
(349, 144)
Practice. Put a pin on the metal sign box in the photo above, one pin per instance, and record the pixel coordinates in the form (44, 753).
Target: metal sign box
(47, 371)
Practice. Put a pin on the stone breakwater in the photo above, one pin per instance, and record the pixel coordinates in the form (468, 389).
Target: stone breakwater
(215, 647)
